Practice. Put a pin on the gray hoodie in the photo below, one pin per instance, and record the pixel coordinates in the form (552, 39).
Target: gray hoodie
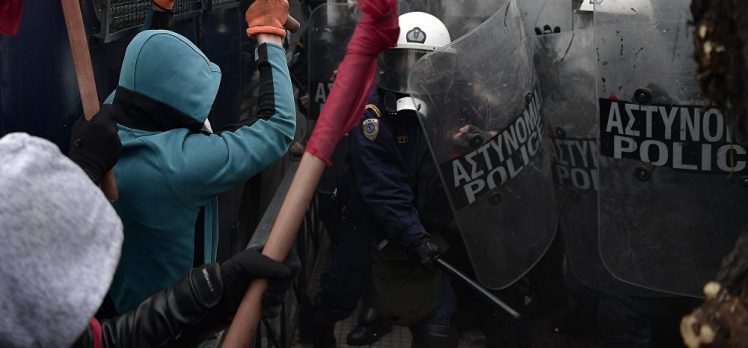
(60, 242)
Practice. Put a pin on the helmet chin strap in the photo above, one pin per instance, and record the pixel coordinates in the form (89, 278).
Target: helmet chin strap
(409, 103)
(395, 102)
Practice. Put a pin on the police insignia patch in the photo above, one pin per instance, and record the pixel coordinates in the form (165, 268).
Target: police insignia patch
(370, 127)
(416, 35)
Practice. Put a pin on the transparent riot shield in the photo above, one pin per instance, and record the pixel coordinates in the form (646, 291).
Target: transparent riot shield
(459, 16)
(546, 16)
(672, 183)
(482, 113)
(565, 66)
(331, 26)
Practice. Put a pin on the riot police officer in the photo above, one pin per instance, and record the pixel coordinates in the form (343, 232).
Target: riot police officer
(392, 198)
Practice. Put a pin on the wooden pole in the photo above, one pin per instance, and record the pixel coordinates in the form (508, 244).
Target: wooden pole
(84, 73)
(291, 214)
(278, 244)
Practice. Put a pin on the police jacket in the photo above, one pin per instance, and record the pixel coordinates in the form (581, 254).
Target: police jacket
(391, 180)
(169, 170)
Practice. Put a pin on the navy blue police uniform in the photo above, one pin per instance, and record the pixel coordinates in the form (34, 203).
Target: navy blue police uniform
(390, 189)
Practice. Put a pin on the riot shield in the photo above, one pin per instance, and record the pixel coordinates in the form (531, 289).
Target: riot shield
(482, 115)
(565, 66)
(566, 69)
(672, 183)
(459, 16)
(331, 26)
(546, 16)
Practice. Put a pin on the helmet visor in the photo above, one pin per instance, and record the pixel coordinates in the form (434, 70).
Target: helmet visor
(394, 67)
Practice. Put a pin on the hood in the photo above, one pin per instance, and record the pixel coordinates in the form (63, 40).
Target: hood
(60, 242)
(168, 68)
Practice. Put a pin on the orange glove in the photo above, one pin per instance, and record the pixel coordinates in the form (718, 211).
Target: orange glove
(267, 16)
(165, 4)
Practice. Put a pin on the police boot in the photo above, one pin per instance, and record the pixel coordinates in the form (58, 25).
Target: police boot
(434, 336)
(371, 327)
(317, 325)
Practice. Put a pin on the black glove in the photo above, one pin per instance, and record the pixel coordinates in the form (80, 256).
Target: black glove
(192, 310)
(95, 145)
(424, 252)
(275, 295)
(239, 270)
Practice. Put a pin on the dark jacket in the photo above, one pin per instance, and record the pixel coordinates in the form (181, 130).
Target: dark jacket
(181, 316)
(391, 179)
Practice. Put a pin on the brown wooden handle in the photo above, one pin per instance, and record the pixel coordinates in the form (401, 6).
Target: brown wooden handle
(292, 24)
(81, 57)
(277, 246)
(85, 76)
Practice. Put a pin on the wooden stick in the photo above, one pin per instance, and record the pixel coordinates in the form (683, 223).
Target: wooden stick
(84, 73)
(278, 244)
(81, 57)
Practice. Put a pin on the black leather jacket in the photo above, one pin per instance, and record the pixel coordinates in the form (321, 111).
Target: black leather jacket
(181, 316)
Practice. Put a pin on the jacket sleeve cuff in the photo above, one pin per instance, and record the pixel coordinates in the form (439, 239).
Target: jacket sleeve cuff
(207, 284)
(411, 236)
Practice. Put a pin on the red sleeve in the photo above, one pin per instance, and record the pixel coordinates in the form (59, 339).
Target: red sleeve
(375, 32)
(10, 16)
(95, 333)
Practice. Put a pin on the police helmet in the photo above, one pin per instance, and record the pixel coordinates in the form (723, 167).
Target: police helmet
(420, 34)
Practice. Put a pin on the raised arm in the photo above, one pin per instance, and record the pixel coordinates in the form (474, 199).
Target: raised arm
(237, 152)
(159, 15)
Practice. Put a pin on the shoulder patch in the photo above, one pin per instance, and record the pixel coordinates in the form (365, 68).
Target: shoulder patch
(374, 109)
(370, 127)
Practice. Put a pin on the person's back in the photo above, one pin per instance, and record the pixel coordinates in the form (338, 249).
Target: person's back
(159, 228)
(169, 169)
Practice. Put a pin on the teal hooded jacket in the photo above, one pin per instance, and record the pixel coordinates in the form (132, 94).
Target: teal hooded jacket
(169, 169)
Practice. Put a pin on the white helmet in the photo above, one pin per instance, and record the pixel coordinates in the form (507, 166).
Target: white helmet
(420, 33)
(423, 31)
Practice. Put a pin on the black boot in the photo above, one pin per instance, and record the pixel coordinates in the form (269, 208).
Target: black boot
(434, 336)
(371, 327)
(317, 325)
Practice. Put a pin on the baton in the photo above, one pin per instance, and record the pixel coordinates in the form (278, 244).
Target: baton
(446, 266)
(475, 286)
